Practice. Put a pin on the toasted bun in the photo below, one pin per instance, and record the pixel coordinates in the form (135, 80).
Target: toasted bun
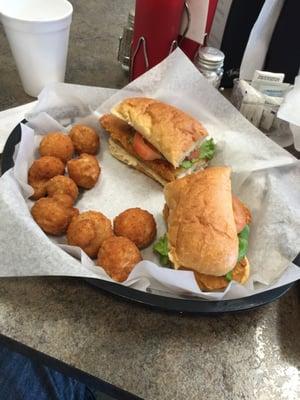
(120, 154)
(240, 273)
(161, 170)
(201, 230)
(166, 214)
(170, 130)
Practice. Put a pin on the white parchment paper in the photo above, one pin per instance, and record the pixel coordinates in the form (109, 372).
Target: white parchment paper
(264, 175)
(289, 111)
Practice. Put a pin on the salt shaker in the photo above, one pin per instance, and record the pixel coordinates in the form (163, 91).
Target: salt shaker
(125, 43)
(209, 62)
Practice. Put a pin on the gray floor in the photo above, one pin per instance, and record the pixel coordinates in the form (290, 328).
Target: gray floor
(92, 58)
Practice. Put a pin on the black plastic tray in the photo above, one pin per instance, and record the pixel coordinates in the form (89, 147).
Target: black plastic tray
(197, 306)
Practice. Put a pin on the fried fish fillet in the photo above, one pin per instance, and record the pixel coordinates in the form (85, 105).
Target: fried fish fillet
(122, 134)
(240, 273)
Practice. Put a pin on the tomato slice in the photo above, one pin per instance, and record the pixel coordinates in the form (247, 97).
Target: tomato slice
(238, 213)
(144, 149)
(194, 155)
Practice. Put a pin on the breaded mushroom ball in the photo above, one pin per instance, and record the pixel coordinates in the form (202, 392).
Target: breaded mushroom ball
(118, 256)
(63, 199)
(84, 170)
(52, 216)
(41, 171)
(88, 230)
(62, 185)
(137, 225)
(85, 139)
(58, 145)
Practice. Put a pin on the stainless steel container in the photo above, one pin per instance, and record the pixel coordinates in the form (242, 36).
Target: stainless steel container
(209, 62)
(125, 43)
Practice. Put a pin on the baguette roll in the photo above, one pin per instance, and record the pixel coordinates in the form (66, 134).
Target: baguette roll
(202, 234)
(171, 131)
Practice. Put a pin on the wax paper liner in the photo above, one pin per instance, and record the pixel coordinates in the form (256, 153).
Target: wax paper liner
(264, 175)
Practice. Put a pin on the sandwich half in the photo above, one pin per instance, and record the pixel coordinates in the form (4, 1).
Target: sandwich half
(207, 228)
(156, 138)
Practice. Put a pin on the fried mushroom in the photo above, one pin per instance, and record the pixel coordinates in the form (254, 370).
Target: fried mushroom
(63, 199)
(85, 139)
(41, 171)
(84, 170)
(59, 185)
(137, 225)
(52, 216)
(57, 144)
(88, 230)
(118, 256)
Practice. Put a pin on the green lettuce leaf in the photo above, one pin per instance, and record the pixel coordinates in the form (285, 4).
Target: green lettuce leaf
(164, 260)
(161, 247)
(243, 248)
(228, 276)
(243, 242)
(186, 164)
(207, 149)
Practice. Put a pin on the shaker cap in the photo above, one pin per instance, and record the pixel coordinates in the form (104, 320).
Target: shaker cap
(209, 58)
(211, 54)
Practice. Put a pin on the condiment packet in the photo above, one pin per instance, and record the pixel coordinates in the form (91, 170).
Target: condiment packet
(289, 111)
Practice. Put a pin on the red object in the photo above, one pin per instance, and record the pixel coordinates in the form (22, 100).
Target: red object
(144, 149)
(189, 46)
(241, 217)
(194, 155)
(158, 21)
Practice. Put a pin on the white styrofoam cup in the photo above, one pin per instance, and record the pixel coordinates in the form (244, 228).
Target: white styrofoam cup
(38, 34)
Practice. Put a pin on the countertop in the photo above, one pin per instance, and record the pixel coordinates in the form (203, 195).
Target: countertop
(155, 355)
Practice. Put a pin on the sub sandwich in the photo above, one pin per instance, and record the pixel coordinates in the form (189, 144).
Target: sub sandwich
(156, 138)
(207, 229)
